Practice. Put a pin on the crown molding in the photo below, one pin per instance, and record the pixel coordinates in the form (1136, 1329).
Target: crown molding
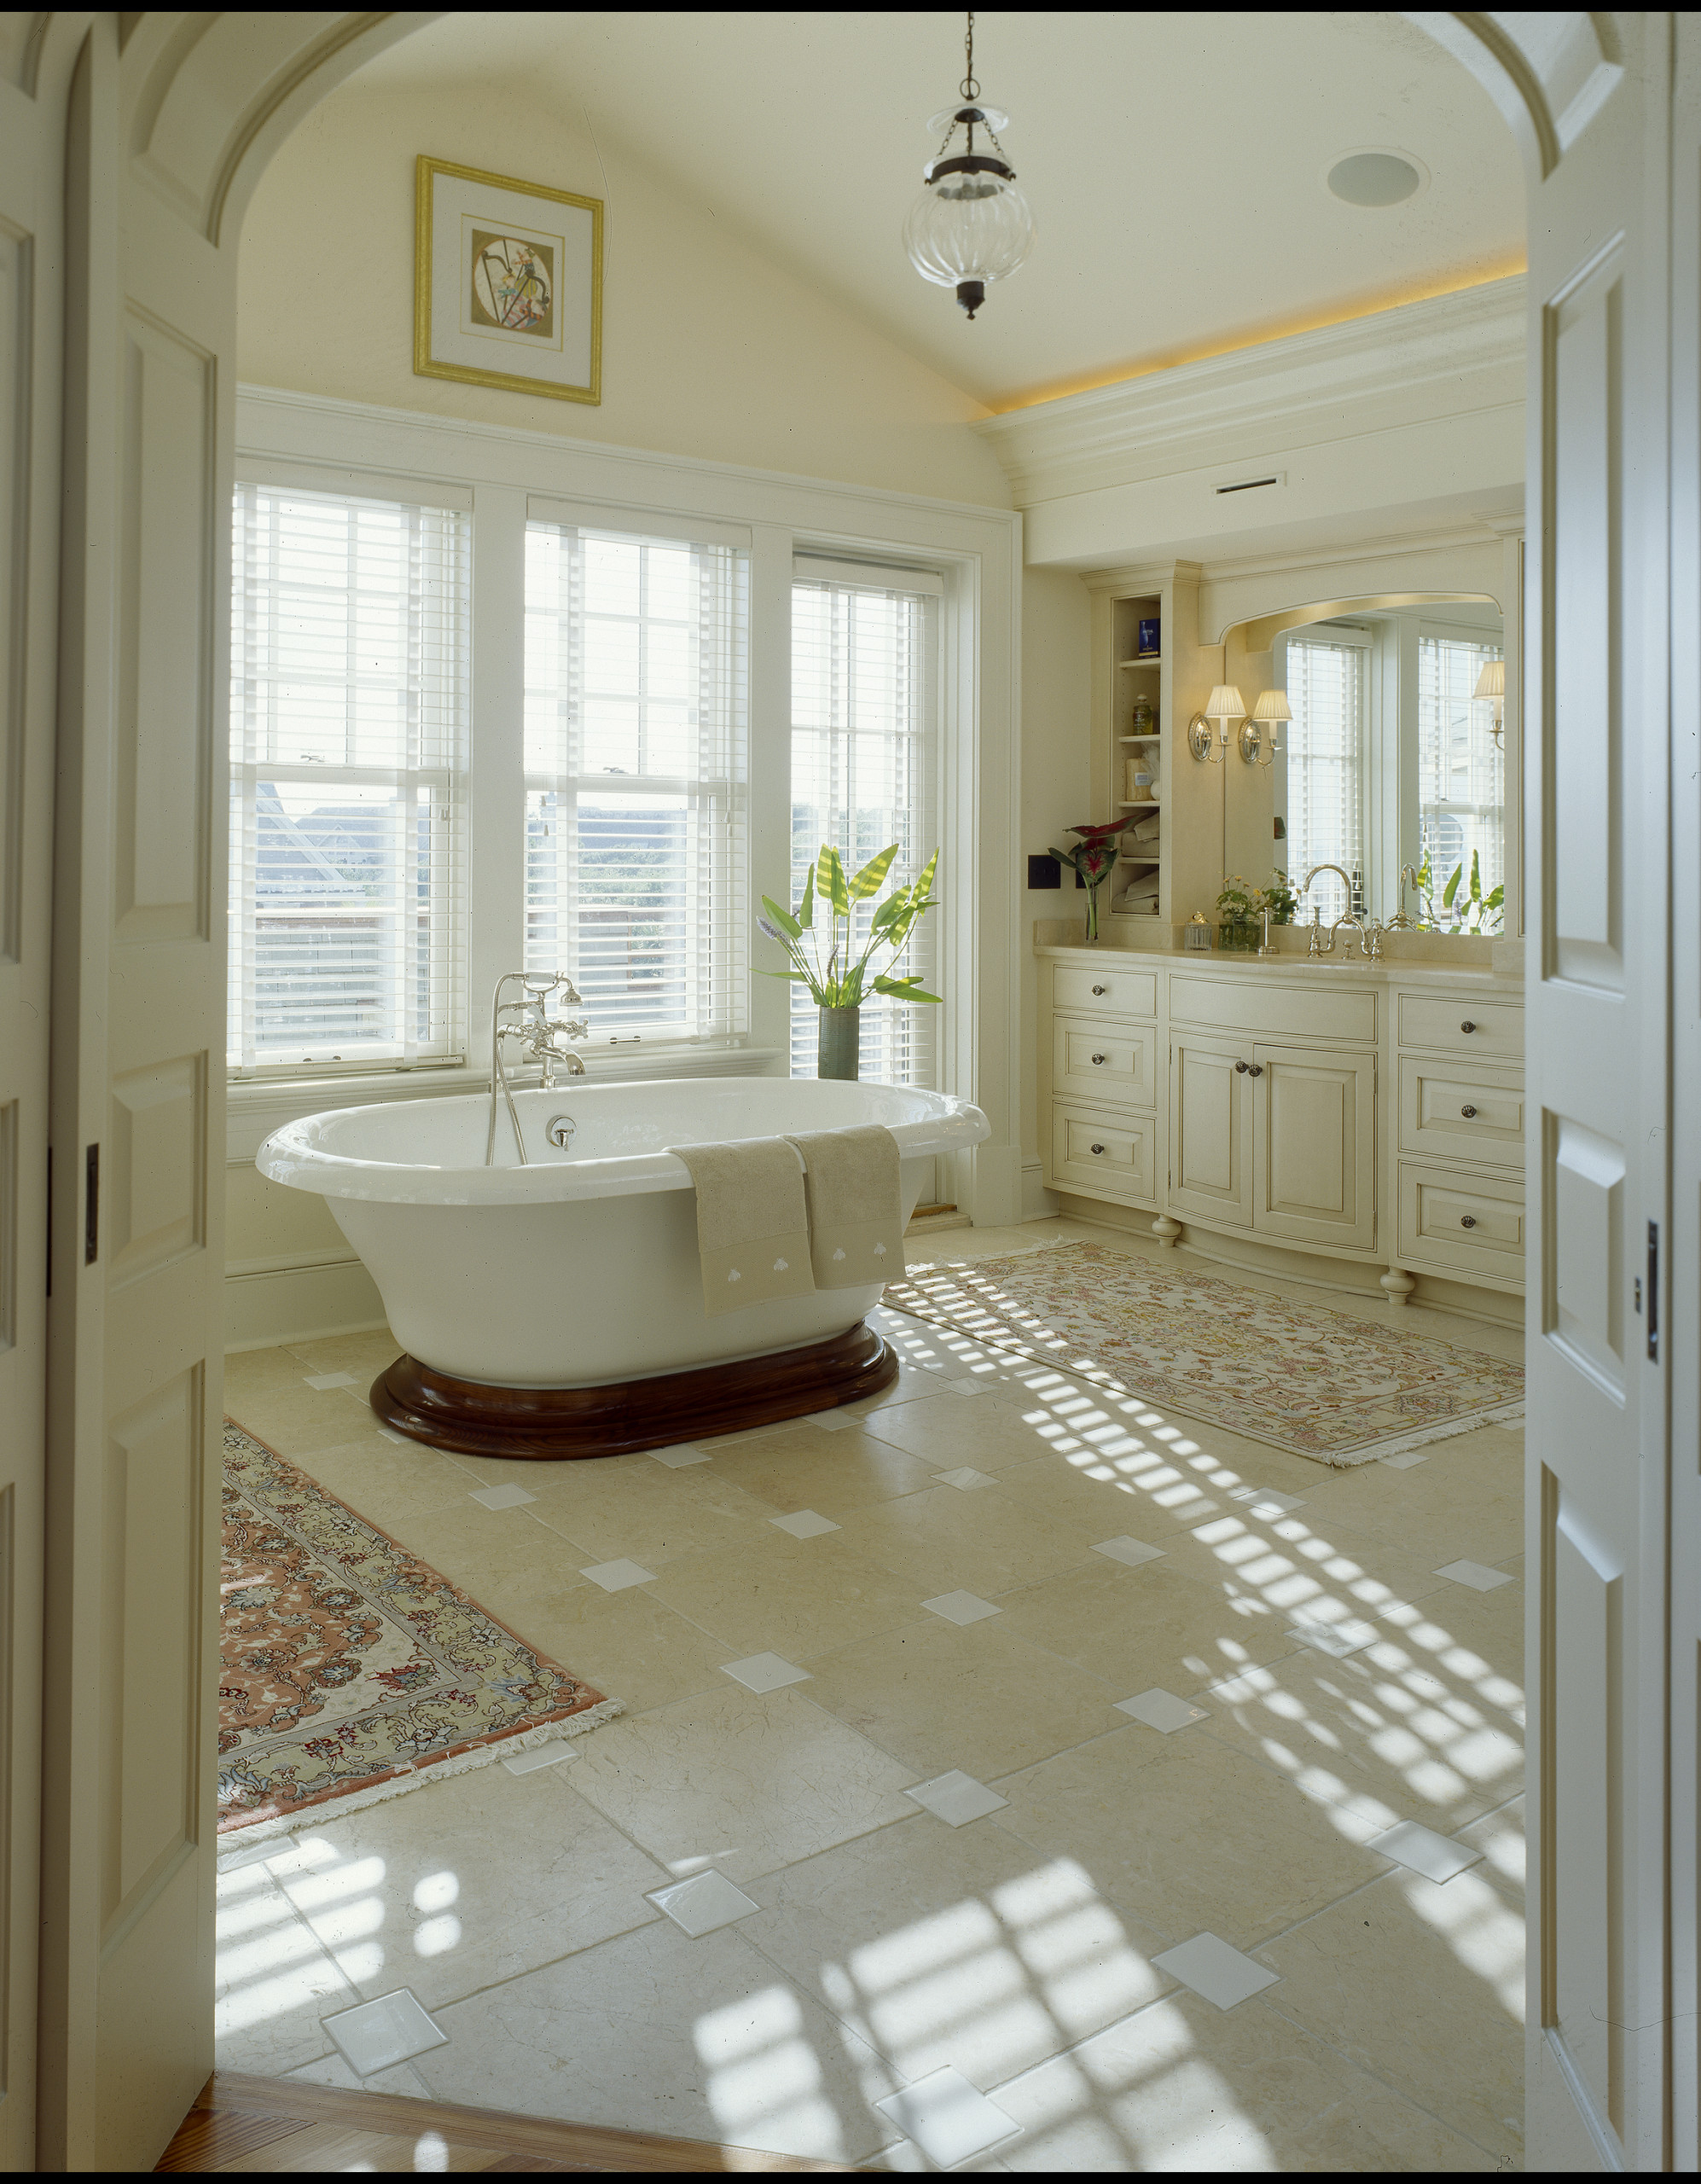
(1445, 356)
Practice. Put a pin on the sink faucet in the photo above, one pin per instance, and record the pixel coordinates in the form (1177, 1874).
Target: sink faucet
(1319, 945)
(526, 1025)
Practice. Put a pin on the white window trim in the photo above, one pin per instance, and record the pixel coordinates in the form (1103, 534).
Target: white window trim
(977, 552)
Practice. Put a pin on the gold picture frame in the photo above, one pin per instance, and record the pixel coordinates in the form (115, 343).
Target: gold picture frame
(489, 281)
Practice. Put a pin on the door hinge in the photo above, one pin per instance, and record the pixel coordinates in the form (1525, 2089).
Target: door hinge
(91, 1207)
(1654, 1292)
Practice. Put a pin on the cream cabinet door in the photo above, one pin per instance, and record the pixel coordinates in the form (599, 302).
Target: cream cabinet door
(1313, 1145)
(1211, 1132)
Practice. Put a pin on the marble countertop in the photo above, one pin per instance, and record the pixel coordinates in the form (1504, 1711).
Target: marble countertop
(1298, 967)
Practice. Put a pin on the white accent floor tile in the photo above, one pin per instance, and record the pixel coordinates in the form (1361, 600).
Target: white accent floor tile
(374, 2035)
(833, 1421)
(765, 1672)
(1337, 1639)
(1162, 1710)
(543, 1754)
(964, 1478)
(1477, 1575)
(402, 1441)
(1133, 1552)
(1405, 1461)
(323, 1381)
(1212, 1968)
(615, 1576)
(961, 1607)
(1264, 1503)
(502, 1497)
(1436, 1858)
(704, 1904)
(255, 1854)
(804, 1523)
(680, 1454)
(949, 2118)
(956, 1798)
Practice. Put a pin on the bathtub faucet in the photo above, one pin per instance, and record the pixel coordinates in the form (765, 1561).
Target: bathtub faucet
(525, 1023)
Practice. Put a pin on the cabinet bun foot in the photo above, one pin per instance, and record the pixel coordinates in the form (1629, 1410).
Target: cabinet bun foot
(1399, 1285)
(1166, 1231)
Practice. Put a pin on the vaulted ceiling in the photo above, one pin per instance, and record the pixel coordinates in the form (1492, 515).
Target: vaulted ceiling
(1176, 162)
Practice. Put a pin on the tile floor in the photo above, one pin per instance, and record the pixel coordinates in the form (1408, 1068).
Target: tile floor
(1069, 1787)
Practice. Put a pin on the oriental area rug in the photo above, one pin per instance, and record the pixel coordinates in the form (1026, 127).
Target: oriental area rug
(350, 1671)
(1342, 1390)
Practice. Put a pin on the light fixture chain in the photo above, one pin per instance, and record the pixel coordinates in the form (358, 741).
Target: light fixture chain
(971, 88)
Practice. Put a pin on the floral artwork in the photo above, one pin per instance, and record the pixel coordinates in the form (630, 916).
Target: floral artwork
(513, 284)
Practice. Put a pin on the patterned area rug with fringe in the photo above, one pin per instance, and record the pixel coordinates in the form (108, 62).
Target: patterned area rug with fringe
(350, 1671)
(1342, 1390)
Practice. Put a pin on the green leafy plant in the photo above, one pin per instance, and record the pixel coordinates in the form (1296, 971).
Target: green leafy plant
(1474, 911)
(1278, 898)
(842, 977)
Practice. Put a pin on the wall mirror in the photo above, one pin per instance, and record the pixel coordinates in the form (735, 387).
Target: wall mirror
(1392, 766)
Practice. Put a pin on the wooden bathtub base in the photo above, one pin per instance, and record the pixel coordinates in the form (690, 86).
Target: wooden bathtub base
(474, 1419)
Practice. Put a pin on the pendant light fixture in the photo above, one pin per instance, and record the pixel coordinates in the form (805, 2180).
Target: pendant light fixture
(971, 224)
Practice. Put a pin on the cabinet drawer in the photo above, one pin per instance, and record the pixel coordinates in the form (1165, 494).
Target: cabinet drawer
(1460, 1223)
(1104, 993)
(1287, 1008)
(1105, 1063)
(1109, 1156)
(1452, 1112)
(1487, 1031)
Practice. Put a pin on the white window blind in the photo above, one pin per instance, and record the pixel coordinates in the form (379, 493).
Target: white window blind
(864, 710)
(348, 747)
(636, 797)
(1461, 772)
(1327, 689)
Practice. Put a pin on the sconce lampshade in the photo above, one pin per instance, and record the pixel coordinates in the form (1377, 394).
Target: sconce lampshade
(1226, 703)
(1492, 681)
(1273, 706)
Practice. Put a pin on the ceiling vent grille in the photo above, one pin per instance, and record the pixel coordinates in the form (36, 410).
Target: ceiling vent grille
(1251, 485)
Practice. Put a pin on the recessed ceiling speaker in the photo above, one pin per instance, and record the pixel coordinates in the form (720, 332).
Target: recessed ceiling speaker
(1375, 179)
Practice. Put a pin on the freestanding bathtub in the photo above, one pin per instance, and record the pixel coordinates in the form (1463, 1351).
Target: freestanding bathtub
(555, 1308)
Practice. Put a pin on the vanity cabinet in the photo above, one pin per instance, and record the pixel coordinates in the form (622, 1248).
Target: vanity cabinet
(1314, 1146)
(1211, 1132)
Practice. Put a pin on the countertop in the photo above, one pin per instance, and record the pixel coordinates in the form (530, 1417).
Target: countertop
(1299, 969)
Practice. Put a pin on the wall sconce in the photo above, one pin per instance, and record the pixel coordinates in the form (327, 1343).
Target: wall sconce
(1492, 683)
(1224, 704)
(1258, 744)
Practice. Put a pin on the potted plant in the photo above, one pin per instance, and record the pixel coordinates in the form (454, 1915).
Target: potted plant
(1237, 914)
(1094, 859)
(839, 981)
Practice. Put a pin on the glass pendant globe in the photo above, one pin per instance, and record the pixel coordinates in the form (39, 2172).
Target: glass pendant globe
(969, 228)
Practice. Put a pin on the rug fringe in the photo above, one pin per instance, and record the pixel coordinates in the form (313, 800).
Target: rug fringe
(1378, 1452)
(418, 1778)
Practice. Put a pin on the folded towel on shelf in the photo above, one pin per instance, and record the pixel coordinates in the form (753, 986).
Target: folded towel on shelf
(752, 1221)
(856, 1205)
(1145, 830)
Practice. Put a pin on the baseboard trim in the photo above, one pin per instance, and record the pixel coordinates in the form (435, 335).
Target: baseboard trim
(302, 1300)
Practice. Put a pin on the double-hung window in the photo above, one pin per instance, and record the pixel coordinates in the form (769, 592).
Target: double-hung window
(865, 708)
(635, 799)
(1328, 690)
(348, 750)
(1461, 770)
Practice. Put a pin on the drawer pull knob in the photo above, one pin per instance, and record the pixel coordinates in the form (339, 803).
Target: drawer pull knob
(1467, 1112)
(1467, 1026)
(1098, 1148)
(1100, 989)
(1467, 1220)
(1256, 1069)
(1240, 1068)
(1097, 1058)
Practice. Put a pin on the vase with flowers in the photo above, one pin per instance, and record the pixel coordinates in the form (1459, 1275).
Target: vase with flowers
(1094, 859)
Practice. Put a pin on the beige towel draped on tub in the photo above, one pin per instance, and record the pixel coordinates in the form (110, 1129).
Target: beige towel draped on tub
(856, 1205)
(752, 1227)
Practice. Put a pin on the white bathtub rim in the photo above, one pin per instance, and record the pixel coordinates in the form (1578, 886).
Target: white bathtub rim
(296, 1157)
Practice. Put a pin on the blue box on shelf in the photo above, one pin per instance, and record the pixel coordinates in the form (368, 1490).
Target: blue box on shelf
(1151, 633)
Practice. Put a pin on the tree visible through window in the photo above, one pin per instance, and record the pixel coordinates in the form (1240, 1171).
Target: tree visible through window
(1325, 740)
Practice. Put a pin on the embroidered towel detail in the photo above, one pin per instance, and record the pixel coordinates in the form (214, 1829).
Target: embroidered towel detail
(752, 1224)
(855, 1206)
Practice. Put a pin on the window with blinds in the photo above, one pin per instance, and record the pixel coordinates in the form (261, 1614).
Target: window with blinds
(864, 712)
(1327, 689)
(1461, 771)
(636, 797)
(348, 742)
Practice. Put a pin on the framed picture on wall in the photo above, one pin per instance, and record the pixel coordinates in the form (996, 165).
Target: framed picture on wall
(508, 283)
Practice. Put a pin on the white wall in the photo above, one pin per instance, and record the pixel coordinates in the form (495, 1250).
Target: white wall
(708, 350)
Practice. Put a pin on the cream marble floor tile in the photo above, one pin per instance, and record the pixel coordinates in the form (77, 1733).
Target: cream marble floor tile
(947, 1430)
(366, 1355)
(1466, 1499)
(300, 1421)
(656, 2032)
(273, 1977)
(401, 2078)
(1183, 2086)
(630, 1646)
(955, 1947)
(1473, 1642)
(1153, 1625)
(1127, 1484)
(942, 1541)
(1424, 1987)
(1309, 1570)
(259, 1372)
(741, 1782)
(1374, 1734)
(800, 1467)
(406, 1893)
(649, 1514)
(393, 1488)
(943, 1697)
(1500, 1837)
(793, 1597)
(509, 1562)
(1189, 1835)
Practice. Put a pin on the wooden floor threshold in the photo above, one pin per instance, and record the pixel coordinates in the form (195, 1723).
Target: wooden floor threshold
(271, 2126)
